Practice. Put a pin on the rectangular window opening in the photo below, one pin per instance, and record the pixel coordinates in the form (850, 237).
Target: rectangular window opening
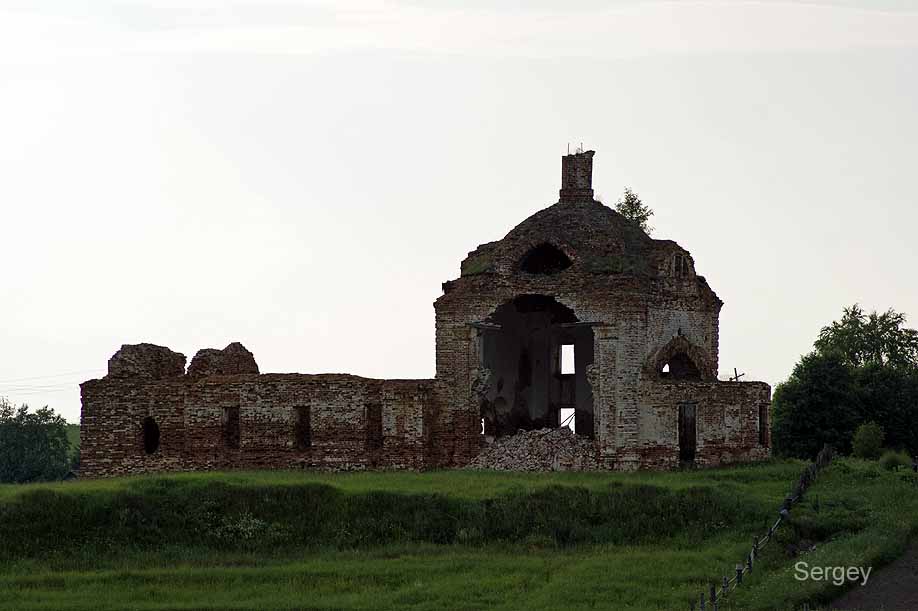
(567, 418)
(231, 427)
(567, 359)
(303, 428)
(374, 427)
(763, 425)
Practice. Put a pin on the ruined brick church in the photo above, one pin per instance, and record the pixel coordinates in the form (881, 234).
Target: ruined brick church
(574, 281)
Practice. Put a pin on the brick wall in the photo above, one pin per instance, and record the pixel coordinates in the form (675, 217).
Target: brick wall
(190, 415)
(727, 421)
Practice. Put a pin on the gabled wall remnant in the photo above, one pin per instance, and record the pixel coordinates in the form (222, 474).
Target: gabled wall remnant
(644, 390)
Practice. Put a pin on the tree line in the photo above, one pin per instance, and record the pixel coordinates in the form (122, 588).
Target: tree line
(863, 370)
(33, 445)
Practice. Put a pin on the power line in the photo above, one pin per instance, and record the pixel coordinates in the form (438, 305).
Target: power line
(17, 393)
(38, 387)
(56, 375)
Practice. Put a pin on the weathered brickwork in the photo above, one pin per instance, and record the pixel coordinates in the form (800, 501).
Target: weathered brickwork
(191, 416)
(642, 388)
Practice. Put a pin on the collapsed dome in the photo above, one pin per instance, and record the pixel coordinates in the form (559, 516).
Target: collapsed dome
(582, 235)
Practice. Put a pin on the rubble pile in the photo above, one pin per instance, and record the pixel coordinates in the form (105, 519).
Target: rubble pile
(540, 450)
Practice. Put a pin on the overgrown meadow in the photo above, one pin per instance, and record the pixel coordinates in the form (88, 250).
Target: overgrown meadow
(440, 540)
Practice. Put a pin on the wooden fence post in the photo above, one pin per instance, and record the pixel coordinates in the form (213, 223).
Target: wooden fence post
(810, 472)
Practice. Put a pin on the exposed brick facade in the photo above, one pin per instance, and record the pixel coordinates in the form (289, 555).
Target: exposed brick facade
(643, 324)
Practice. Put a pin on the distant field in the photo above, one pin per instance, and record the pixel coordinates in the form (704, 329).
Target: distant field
(438, 540)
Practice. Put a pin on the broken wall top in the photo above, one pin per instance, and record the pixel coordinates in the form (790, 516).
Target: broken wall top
(235, 359)
(146, 361)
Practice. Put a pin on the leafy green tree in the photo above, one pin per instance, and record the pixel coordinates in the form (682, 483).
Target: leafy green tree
(868, 441)
(632, 208)
(865, 339)
(33, 445)
(873, 377)
(815, 406)
(888, 396)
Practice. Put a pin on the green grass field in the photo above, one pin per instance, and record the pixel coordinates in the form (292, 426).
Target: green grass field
(438, 540)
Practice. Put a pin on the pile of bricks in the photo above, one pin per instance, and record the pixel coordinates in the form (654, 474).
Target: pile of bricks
(540, 450)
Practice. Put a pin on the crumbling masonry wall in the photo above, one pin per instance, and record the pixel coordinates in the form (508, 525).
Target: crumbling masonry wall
(190, 413)
(729, 428)
(645, 394)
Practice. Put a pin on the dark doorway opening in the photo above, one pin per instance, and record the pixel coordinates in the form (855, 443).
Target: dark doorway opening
(150, 435)
(538, 353)
(687, 431)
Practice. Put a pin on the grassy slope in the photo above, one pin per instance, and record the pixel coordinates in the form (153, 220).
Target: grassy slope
(530, 574)
(878, 511)
(763, 482)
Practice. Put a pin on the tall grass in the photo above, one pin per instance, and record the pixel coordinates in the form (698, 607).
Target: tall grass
(456, 540)
(214, 515)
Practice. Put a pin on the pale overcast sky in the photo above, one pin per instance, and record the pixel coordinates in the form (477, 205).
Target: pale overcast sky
(302, 176)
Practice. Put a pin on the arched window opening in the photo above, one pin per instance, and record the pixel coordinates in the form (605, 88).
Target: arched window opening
(150, 435)
(545, 259)
(680, 367)
(231, 427)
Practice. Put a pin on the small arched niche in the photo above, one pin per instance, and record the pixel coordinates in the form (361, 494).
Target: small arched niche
(150, 435)
(545, 259)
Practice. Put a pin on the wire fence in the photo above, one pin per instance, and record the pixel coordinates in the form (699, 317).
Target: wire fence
(718, 591)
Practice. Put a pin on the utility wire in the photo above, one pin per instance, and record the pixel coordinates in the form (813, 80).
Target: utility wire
(56, 375)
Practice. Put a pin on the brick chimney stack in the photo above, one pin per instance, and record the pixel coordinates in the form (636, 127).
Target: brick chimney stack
(577, 177)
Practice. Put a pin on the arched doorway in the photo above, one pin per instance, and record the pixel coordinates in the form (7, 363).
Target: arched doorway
(530, 385)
